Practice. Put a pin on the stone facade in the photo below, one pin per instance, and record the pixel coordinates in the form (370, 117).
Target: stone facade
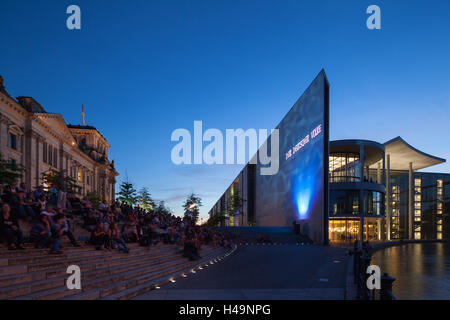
(41, 141)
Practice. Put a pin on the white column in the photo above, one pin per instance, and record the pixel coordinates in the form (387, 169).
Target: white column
(379, 172)
(410, 203)
(388, 197)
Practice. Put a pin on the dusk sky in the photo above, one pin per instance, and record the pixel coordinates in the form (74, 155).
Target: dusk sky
(145, 68)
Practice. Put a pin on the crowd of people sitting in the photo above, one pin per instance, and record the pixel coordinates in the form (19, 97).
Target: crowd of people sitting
(110, 226)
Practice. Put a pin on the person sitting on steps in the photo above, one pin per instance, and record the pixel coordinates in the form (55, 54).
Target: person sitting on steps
(10, 229)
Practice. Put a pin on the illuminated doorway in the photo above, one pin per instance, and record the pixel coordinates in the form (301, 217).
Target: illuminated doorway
(344, 230)
(348, 229)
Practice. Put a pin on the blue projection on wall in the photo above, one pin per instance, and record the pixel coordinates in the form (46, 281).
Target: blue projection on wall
(298, 192)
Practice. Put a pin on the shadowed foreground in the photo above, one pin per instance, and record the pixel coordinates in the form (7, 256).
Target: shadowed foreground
(259, 272)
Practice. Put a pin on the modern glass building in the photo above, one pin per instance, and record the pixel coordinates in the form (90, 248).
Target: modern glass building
(376, 192)
(357, 192)
(339, 191)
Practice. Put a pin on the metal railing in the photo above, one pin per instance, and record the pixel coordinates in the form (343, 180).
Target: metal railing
(362, 257)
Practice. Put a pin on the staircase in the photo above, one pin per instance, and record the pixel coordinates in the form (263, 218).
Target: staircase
(33, 274)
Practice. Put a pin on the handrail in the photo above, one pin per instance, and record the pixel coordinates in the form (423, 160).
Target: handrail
(361, 261)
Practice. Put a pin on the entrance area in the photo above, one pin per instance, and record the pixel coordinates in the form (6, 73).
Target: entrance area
(348, 229)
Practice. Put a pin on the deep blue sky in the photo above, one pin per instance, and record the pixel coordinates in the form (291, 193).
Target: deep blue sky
(144, 68)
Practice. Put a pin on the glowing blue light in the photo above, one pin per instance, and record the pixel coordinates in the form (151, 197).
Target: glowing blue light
(303, 200)
(305, 187)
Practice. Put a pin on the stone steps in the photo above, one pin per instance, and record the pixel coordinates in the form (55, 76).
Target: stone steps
(145, 282)
(99, 281)
(86, 265)
(33, 274)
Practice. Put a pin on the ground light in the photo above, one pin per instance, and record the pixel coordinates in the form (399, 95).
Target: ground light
(199, 267)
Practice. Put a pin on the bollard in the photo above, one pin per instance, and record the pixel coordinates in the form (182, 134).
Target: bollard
(386, 287)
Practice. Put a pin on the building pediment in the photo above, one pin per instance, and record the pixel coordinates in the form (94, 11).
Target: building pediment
(56, 123)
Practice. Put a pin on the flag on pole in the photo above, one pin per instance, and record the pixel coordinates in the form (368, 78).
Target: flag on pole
(82, 113)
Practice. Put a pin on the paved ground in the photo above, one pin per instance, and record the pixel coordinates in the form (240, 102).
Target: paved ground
(265, 272)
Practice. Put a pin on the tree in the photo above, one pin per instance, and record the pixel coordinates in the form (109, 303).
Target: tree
(191, 206)
(51, 177)
(10, 171)
(216, 219)
(162, 208)
(127, 193)
(144, 200)
(94, 198)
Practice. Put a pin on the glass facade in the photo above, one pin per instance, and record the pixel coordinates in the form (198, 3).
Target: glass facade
(356, 197)
(345, 167)
(430, 201)
(344, 229)
(373, 203)
(348, 229)
(346, 202)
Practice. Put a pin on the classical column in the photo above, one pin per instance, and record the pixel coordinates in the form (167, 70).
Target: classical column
(388, 197)
(37, 158)
(38, 161)
(27, 152)
(410, 203)
(61, 156)
(83, 174)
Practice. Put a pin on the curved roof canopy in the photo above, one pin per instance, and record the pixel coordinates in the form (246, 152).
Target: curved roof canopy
(401, 154)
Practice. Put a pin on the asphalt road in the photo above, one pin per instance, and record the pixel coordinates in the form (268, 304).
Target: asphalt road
(265, 272)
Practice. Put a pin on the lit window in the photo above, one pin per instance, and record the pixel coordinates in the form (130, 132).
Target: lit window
(440, 183)
(80, 176)
(439, 235)
(417, 235)
(439, 228)
(417, 182)
(417, 213)
(417, 219)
